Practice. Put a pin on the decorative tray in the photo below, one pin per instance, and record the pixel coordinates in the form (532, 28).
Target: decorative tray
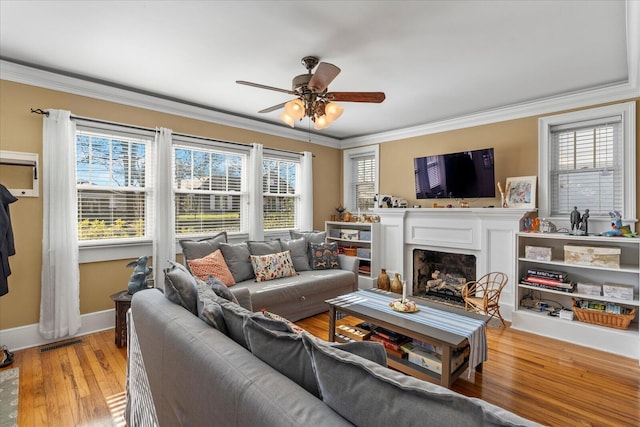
(405, 306)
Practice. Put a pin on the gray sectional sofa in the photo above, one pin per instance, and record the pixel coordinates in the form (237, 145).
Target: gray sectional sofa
(254, 371)
(295, 297)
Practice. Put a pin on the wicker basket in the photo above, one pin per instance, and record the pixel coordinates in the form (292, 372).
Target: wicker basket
(351, 251)
(618, 321)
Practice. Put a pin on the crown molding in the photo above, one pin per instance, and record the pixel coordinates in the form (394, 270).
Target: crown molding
(19, 73)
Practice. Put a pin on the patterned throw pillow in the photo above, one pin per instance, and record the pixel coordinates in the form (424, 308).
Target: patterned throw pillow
(212, 265)
(272, 266)
(295, 328)
(324, 255)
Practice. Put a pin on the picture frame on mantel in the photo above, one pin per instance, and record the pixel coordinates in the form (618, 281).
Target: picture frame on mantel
(521, 192)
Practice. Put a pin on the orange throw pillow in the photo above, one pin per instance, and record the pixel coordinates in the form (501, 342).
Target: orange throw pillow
(212, 265)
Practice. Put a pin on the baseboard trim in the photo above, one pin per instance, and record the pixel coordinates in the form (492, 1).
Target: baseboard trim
(28, 336)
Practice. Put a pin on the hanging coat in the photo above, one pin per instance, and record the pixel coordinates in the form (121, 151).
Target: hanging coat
(7, 247)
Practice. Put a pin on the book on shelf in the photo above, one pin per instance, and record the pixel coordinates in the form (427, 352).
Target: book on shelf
(545, 281)
(387, 343)
(388, 334)
(567, 287)
(556, 275)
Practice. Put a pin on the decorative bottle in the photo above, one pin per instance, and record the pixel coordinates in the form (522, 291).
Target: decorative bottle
(396, 285)
(384, 282)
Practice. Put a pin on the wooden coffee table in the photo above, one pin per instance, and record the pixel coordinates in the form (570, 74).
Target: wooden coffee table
(438, 324)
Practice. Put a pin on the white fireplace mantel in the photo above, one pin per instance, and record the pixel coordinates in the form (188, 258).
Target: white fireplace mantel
(487, 233)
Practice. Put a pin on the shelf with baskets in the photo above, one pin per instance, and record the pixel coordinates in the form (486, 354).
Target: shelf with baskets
(595, 279)
(357, 239)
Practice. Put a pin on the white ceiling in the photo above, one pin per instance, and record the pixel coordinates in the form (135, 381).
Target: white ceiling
(435, 60)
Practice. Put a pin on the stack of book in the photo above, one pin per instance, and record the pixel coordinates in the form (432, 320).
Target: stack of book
(392, 341)
(556, 280)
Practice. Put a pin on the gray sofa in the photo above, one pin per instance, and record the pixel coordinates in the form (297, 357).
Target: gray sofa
(295, 297)
(183, 372)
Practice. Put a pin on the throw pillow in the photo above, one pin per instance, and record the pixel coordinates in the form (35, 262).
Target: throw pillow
(370, 385)
(237, 257)
(212, 265)
(324, 255)
(272, 266)
(208, 308)
(180, 287)
(264, 248)
(273, 342)
(221, 289)
(299, 253)
(234, 316)
(295, 328)
(310, 236)
(194, 249)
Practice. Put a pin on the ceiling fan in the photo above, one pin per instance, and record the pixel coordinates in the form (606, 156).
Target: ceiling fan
(312, 98)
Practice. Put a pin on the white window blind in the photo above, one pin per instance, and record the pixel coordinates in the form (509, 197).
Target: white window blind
(279, 177)
(209, 189)
(363, 186)
(113, 184)
(586, 167)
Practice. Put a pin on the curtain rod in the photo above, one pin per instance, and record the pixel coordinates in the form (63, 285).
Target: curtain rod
(204, 138)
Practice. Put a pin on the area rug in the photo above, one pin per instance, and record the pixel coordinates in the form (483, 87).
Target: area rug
(9, 379)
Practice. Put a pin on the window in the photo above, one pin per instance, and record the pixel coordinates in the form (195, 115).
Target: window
(280, 202)
(587, 160)
(360, 178)
(112, 182)
(209, 189)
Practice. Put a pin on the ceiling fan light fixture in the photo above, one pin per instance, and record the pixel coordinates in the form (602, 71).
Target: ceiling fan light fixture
(321, 122)
(295, 109)
(287, 119)
(333, 111)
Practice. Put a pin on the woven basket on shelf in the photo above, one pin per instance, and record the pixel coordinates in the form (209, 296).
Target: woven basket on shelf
(618, 321)
(351, 251)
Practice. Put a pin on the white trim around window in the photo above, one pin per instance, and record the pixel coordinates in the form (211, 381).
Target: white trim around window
(348, 198)
(627, 112)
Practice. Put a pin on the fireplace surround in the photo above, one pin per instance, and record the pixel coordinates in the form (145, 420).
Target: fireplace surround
(486, 234)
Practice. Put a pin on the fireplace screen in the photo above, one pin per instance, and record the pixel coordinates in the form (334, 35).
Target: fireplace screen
(441, 275)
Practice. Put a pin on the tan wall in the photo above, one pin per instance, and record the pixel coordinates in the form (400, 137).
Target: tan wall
(516, 154)
(515, 144)
(21, 130)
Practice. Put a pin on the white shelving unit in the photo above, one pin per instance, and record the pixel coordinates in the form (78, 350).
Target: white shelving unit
(368, 233)
(623, 342)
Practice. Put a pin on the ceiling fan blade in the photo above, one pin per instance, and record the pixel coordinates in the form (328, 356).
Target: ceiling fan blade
(376, 97)
(274, 108)
(258, 85)
(325, 73)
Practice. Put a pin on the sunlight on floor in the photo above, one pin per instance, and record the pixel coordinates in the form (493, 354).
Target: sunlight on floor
(117, 404)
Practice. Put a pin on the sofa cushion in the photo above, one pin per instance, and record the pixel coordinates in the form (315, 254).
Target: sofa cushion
(238, 259)
(324, 256)
(180, 287)
(212, 265)
(295, 328)
(194, 249)
(371, 385)
(276, 344)
(234, 316)
(208, 308)
(221, 289)
(310, 236)
(264, 247)
(272, 266)
(299, 253)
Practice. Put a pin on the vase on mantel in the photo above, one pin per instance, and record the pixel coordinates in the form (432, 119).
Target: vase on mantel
(384, 282)
(396, 285)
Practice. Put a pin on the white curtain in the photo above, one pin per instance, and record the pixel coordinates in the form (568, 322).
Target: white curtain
(306, 192)
(164, 235)
(60, 293)
(256, 203)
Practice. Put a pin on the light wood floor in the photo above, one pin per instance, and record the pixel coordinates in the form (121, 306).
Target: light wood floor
(548, 381)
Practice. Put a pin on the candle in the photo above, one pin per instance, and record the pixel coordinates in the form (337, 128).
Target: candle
(404, 290)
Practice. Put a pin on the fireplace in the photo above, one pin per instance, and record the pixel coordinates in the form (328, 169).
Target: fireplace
(441, 275)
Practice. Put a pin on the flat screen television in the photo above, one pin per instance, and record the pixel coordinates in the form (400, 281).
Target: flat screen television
(468, 174)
